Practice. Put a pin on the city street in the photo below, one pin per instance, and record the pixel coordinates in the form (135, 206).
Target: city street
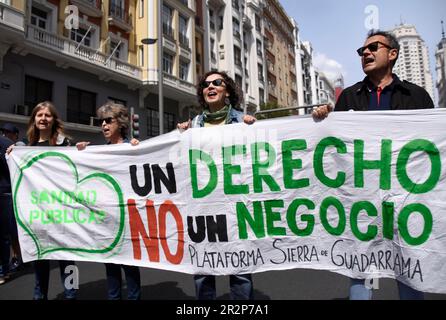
(298, 284)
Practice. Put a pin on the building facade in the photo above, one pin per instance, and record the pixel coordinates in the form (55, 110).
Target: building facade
(82, 53)
(325, 90)
(280, 55)
(45, 55)
(413, 62)
(440, 66)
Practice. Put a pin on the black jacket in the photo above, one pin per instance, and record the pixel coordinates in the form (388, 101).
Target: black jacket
(405, 95)
(5, 182)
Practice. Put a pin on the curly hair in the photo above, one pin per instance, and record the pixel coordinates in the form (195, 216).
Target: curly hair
(235, 95)
(117, 111)
(33, 133)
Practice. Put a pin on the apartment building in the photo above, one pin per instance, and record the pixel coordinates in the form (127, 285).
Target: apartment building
(46, 56)
(413, 62)
(308, 73)
(325, 89)
(177, 63)
(280, 55)
(440, 66)
(78, 67)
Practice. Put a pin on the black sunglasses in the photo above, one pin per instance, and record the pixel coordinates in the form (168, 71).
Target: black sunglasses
(107, 120)
(216, 83)
(373, 47)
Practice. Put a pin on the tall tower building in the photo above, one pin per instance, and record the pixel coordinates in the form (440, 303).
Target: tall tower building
(413, 62)
(440, 56)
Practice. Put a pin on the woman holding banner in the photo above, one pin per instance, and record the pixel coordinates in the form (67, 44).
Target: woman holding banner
(220, 99)
(46, 129)
(115, 124)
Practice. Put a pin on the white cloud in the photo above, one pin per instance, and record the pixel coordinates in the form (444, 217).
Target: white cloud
(331, 68)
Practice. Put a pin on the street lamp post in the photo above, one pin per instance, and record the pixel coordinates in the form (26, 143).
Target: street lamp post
(149, 41)
(160, 67)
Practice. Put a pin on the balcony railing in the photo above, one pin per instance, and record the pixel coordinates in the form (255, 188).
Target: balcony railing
(73, 49)
(11, 17)
(92, 8)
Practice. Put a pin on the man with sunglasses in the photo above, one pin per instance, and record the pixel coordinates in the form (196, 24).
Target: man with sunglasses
(380, 90)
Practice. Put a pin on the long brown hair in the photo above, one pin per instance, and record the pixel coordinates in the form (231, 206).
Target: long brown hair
(57, 128)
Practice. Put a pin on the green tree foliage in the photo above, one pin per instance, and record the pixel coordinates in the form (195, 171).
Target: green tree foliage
(270, 115)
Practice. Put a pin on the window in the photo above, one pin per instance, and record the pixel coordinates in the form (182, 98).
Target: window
(81, 105)
(239, 81)
(153, 128)
(141, 56)
(237, 56)
(211, 20)
(220, 23)
(260, 72)
(236, 28)
(115, 48)
(39, 18)
(261, 96)
(116, 100)
(184, 40)
(141, 8)
(37, 90)
(117, 9)
(257, 21)
(259, 48)
(184, 70)
(235, 4)
(78, 34)
(167, 63)
(212, 49)
(167, 21)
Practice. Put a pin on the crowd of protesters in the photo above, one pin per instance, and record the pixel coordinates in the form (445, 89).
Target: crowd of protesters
(220, 99)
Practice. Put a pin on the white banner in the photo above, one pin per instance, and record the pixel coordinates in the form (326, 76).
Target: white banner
(360, 193)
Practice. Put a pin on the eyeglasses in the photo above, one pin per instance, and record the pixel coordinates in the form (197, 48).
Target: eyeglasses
(216, 83)
(107, 120)
(373, 47)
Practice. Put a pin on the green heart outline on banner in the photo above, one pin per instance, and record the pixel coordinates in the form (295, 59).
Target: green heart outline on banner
(108, 178)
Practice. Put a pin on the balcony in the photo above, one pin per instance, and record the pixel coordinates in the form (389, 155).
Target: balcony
(11, 19)
(74, 53)
(93, 8)
(118, 17)
(177, 83)
(217, 4)
(272, 90)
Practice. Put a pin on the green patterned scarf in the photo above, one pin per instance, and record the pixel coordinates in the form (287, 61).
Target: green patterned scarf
(220, 115)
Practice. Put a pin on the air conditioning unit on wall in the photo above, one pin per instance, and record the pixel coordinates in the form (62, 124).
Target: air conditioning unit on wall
(21, 109)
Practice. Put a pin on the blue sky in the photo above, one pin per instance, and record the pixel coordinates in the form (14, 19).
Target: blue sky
(336, 28)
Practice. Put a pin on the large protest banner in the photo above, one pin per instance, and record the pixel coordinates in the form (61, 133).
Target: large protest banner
(360, 194)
